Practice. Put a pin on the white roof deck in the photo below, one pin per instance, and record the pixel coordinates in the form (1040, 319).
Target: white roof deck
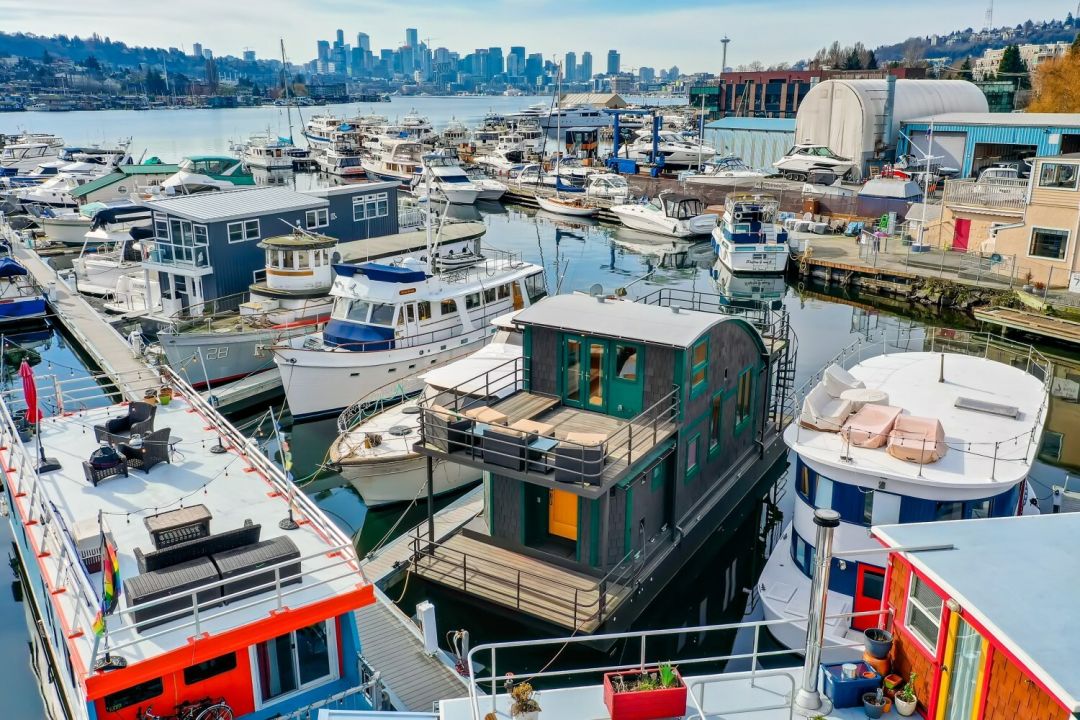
(1027, 599)
(911, 380)
(235, 486)
(247, 202)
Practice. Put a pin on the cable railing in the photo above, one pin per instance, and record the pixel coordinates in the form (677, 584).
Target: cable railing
(644, 660)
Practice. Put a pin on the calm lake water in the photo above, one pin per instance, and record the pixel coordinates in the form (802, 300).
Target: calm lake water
(715, 586)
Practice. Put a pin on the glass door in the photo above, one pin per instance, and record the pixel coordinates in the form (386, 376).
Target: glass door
(572, 373)
(596, 377)
(964, 656)
(295, 661)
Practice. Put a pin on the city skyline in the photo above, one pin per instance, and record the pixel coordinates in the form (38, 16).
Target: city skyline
(694, 26)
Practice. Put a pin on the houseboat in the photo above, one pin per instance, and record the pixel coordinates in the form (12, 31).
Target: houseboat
(938, 425)
(234, 342)
(749, 239)
(374, 448)
(637, 427)
(168, 568)
(389, 321)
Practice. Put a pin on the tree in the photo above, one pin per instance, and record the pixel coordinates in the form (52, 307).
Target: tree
(1075, 44)
(1055, 86)
(852, 61)
(871, 61)
(1012, 67)
(965, 69)
(46, 58)
(155, 83)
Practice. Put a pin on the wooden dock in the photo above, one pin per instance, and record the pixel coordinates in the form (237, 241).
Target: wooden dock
(1049, 327)
(240, 395)
(108, 349)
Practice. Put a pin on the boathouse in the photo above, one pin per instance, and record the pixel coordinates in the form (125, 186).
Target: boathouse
(206, 246)
(612, 443)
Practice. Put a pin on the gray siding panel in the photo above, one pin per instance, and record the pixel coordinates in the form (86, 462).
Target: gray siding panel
(545, 361)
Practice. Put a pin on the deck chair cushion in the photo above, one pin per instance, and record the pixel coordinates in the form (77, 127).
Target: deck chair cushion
(870, 426)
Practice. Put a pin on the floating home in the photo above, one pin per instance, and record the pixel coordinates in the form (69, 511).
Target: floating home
(616, 444)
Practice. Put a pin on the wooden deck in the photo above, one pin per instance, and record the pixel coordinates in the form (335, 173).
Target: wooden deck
(519, 582)
(1051, 327)
(524, 405)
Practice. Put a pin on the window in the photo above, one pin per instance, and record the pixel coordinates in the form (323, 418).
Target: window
(715, 422)
(744, 399)
(382, 314)
(1061, 176)
(535, 287)
(302, 260)
(369, 207)
(978, 509)
(803, 553)
(1051, 445)
(243, 231)
(134, 695)
(295, 660)
(472, 301)
(423, 309)
(699, 365)
(209, 668)
(489, 296)
(626, 362)
(1050, 244)
(447, 307)
(202, 237)
(924, 613)
(823, 493)
(161, 227)
(504, 292)
(948, 511)
(355, 310)
(692, 456)
(804, 481)
(318, 218)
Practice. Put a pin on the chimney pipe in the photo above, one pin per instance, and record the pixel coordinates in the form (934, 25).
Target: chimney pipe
(808, 701)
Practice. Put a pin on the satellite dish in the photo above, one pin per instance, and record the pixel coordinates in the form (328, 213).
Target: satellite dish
(597, 290)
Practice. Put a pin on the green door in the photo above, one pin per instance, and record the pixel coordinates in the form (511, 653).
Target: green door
(627, 386)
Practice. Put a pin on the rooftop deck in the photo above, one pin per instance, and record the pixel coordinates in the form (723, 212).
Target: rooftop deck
(235, 486)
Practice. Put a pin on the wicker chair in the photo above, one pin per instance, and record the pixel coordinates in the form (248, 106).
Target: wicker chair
(138, 421)
(154, 449)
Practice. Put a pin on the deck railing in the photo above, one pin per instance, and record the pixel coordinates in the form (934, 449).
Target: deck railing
(1002, 194)
(123, 630)
(492, 680)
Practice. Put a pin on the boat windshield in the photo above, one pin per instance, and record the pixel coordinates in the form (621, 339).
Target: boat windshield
(382, 314)
(354, 310)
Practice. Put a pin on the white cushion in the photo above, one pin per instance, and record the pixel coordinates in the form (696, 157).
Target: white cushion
(824, 412)
(836, 380)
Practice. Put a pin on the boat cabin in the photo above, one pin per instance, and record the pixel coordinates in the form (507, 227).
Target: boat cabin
(679, 207)
(630, 424)
(752, 220)
(164, 559)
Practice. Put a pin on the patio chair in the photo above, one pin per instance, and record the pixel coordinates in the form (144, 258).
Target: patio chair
(917, 440)
(138, 421)
(506, 447)
(446, 430)
(822, 411)
(153, 449)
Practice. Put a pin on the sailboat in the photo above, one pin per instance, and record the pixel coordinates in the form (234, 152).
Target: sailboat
(575, 207)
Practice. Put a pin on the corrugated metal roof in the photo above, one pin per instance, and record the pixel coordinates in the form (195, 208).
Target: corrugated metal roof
(619, 319)
(748, 123)
(233, 204)
(1006, 119)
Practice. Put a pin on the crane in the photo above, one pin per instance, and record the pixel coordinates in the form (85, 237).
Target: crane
(990, 16)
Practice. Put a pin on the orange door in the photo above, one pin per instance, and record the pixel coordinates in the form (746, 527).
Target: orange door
(562, 514)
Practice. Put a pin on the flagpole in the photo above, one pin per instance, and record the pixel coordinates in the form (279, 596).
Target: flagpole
(107, 662)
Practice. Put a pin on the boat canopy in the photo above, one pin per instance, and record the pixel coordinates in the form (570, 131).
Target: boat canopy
(9, 268)
(119, 213)
(380, 272)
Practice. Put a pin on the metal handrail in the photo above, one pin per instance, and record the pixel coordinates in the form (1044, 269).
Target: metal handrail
(1001, 193)
(885, 616)
(702, 683)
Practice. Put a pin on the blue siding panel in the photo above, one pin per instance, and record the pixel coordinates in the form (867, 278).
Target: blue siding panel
(1038, 136)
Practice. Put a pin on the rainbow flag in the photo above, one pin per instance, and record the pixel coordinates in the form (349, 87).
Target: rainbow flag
(110, 584)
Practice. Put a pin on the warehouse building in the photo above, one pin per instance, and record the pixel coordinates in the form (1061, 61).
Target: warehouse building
(974, 141)
(758, 141)
(860, 119)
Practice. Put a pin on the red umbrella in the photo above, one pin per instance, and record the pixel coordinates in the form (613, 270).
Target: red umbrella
(33, 413)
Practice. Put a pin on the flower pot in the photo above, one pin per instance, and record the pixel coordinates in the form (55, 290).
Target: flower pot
(644, 704)
(530, 715)
(165, 395)
(892, 681)
(877, 642)
(872, 707)
(905, 707)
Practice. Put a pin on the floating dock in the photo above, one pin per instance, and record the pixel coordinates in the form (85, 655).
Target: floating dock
(1049, 327)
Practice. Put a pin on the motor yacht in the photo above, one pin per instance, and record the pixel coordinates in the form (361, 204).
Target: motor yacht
(454, 135)
(669, 214)
(675, 149)
(573, 116)
(444, 179)
(802, 159)
(317, 130)
(200, 173)
(21, 157)
(501, 160)
(397, 159)
(749, 238)
(607, 186)
(490, 188)
(268, 153)
(725, 171)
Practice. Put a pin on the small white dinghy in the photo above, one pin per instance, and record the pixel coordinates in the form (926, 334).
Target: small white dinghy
(565, 206)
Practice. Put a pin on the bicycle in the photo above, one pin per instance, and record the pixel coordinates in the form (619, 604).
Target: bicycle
(205, 709)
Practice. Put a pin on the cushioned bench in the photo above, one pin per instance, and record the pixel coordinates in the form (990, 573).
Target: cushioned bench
(580, 458)
(179, 581)
(199, 548)
(870, 427)
(822, 411)
(447, 430)
(265, 554)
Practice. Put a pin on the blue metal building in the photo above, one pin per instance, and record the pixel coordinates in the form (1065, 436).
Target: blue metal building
(206, 246)
(758, 141)
(973, 141)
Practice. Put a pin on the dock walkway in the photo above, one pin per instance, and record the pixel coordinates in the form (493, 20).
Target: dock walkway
(100, 340)
(1023, 321)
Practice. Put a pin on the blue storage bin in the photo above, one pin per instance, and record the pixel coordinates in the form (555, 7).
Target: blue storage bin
(848, 693)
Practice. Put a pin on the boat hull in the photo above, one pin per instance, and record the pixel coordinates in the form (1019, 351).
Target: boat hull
(662, 225)
(65, 231)
(404, 479)
(17, 310)
(551, 206)
(224, 356)
(751, 257)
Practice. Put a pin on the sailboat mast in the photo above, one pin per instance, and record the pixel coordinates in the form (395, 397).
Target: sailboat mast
(558, 127)
(285, 79)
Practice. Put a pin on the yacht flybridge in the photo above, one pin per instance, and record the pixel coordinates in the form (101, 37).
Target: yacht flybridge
(675, 149)
(749, 238)
(166, 561)
(391, 321)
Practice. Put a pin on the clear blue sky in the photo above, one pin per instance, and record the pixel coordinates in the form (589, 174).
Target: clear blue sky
(659, 33)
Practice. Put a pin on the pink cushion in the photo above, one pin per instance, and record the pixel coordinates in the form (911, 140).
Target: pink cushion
(870, 427)
(917, 439)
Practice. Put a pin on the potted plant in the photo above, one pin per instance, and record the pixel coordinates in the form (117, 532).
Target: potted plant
(877, 642)
(165, 395)
(645, 695)
(906, 700)
(1040, 287)
(874, 704)
(1027, 281)
(525, 706)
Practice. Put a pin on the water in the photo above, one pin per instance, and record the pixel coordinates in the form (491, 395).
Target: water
(715, 586)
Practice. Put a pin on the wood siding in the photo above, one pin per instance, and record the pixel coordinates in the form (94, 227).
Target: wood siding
(907, 655)
(1013, 696)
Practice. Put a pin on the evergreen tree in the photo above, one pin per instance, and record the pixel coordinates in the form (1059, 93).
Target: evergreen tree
(1012, 67)
(871, 61)
(965, 69)
(155, 83)
(852, 61)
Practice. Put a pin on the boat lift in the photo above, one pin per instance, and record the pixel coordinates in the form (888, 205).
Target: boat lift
(626, 166)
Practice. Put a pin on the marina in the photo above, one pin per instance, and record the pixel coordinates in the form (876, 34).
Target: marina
(560, 396)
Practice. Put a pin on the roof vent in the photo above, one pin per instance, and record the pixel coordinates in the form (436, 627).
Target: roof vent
(676, 309)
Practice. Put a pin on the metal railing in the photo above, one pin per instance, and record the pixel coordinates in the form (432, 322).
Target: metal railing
(70, 573)
(645, 660)
(1006, 195)
(479, 323)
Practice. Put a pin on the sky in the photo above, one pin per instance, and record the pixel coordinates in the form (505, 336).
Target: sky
(656, 33)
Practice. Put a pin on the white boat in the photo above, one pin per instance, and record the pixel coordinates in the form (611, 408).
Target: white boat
(574, 207)
(573, 116)
(443, 178)
(70, 227)
(802, 159)
(490, 188)
(135, 292)
(66, 227)
(723, 171)
(374, 449)
(501, 160)
(531, 175)
(318, 129)
(671, 146)
(55, 192)
(390, 321)
(20, 297)
(749, 239)
(334, 160)
(202, 173)
(108, 253)
(607, 186)
(268, 153)
(935, 431)
(669, 214)
(454, 134)
(396, 159)
(25, 156)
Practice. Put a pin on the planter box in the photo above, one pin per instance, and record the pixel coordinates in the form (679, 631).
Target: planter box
(645, 704)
